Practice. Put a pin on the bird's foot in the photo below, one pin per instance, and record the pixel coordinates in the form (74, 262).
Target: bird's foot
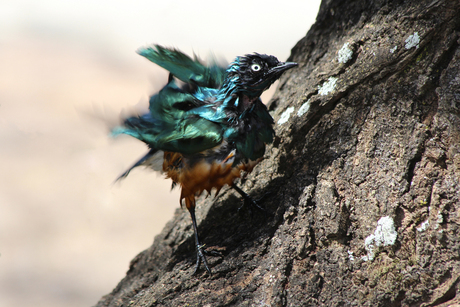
(247, 200)
(251, 204)
(200, 257)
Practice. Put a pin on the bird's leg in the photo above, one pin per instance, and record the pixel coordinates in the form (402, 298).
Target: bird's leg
(200, 254)
(247, 199)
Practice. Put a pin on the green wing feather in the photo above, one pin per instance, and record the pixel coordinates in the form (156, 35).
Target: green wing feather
(184, 68)
(170, 127)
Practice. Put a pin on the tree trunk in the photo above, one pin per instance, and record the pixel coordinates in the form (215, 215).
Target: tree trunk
(361, 186)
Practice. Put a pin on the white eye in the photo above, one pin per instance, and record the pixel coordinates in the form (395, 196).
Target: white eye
(255, 67)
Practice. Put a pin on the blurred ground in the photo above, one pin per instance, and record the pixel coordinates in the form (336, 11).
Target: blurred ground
(65, 66)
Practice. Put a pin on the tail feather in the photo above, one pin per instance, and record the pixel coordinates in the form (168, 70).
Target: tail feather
(145, 160)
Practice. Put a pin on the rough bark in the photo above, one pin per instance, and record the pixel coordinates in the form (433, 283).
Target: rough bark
(384, 142)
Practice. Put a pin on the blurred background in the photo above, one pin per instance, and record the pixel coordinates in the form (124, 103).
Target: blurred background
(67, 69)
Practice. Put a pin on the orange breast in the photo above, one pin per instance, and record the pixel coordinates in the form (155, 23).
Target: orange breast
(201, 176)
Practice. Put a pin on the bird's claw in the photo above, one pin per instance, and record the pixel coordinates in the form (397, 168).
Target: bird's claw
(251, 204)
(200, 257)
(248, 200)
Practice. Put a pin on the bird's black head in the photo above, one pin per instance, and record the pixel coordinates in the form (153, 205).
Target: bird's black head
(254, 73)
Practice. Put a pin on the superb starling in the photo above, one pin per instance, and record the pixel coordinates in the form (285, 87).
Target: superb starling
(209, 129)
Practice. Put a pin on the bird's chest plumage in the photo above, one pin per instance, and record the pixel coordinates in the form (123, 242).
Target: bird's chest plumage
(204, 172)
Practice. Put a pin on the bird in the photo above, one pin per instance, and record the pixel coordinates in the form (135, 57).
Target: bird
(207, 125)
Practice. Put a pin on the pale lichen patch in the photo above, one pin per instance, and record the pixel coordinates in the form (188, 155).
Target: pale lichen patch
(350, 255)
(285, 116)
(413, 41)
(424, 226)
(345, 53)
(328, 86)
(304, 108)
(384, 235)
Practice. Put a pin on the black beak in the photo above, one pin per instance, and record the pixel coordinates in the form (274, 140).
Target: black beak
(282, 67)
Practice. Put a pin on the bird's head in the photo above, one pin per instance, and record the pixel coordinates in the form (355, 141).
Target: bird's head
(254, 73)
